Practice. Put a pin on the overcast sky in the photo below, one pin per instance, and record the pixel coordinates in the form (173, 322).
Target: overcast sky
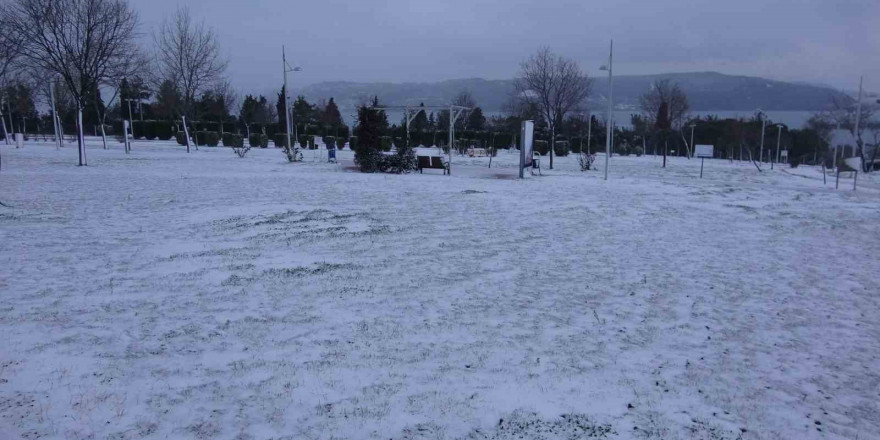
(816, 41)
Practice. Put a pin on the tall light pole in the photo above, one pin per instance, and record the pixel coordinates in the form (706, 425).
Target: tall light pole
(858, 116)
(610, 69)
(778, 141)
(286, 67)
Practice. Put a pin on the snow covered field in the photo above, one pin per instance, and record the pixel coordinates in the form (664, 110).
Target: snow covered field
(166, 295)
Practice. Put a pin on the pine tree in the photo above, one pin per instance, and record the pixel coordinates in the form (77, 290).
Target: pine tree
(476, 121)
(281, 108)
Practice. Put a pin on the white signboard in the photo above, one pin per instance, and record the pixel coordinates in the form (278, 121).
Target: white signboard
(704, 151)
(528, 140)
(784, 154)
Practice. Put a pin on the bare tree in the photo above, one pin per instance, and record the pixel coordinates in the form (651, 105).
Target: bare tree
(554, 84)
(844, 113)
(85, 42)
(188, 54)
(666, 93)
(10, 49)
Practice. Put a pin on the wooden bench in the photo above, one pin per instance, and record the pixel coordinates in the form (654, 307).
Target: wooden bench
(432, 163)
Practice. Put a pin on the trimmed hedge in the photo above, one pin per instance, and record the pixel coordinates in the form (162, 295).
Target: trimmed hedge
(212, 138)
(232, 140)
(542, 147)
(281, 140)
(561, 149)
(340, 143)
(258, 140)
(329, 142)
(353, 143)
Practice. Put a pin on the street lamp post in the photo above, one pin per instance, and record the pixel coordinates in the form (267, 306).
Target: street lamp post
(286, 67)
(608, 131)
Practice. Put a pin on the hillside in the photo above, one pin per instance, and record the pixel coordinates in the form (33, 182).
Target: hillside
(706, 90)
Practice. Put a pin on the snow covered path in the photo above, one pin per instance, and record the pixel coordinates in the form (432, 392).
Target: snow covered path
(166, 295)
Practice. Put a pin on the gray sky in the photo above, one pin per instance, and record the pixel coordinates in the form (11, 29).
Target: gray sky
(818, 41)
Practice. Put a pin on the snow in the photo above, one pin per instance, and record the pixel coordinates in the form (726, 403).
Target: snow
(170, 295)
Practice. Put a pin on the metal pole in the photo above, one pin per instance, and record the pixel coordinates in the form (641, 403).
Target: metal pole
(763, 127)
(130, 117)
(185, 132)
(691, 149)
(610, 106)
(522, 148)
(286, 99)
(702, 160)
(451, 135)
(54, 114)
(778, 141)
(858, 115)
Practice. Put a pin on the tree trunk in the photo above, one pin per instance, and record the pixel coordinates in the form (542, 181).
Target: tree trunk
(665, 151)
(552, 145)
(5, 133)
(80, 137)
(103, 136)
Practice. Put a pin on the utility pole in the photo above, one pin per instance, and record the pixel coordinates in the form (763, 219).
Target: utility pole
(610, 106)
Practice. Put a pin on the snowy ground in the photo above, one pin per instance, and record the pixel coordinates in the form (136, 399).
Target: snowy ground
(166, 295)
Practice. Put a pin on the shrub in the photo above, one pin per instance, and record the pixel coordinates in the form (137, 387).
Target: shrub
(575, 145)
(542, 147)
(303, 141)
(232, 140)
(353, 143)
(340, 143)
(181, 138)
(258, 140)
(586, 161)
(621, 150)
(561, 149)
(163, 130)
(385, 143)
(148, 129)
(638, 151)
(212, 138)
(312, 145)
(329, 142)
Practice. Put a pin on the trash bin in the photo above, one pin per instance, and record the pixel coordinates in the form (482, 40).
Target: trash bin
(331, 155)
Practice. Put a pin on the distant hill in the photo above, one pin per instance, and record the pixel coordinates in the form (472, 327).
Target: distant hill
(707, 91)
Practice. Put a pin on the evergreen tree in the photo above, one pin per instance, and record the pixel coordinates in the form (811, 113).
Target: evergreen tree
(476, 121)
(168, 101)
(303, 112)
(371, 123)
(420, 122)
(281, 108)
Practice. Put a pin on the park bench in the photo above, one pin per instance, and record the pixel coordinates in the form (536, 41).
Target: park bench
(432, 163)
(477, 152)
